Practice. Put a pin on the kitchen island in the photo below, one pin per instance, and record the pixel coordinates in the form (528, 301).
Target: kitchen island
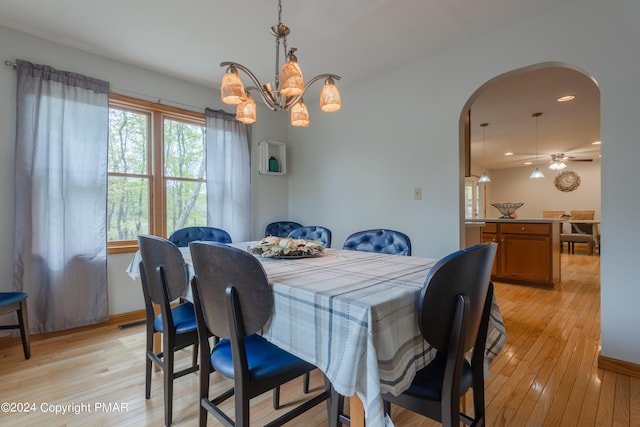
(528, 251)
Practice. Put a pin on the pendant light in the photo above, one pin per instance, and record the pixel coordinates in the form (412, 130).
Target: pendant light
(484, 178)
(537, 173)
(285, 92)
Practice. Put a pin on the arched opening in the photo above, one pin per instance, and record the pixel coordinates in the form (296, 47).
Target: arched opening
(507, 103)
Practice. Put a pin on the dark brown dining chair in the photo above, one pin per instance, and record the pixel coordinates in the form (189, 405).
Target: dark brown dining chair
(453, 316)
(165, 279)
(17, 302)
(234, 301)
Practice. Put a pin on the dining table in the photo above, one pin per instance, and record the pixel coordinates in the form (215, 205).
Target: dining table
(354, 316)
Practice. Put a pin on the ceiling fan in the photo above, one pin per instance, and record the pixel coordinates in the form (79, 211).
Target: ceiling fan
(559, 161)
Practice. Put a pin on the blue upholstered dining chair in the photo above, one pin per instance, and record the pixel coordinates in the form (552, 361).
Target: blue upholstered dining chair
(165, 278)
(183, 236)
(453, 317)
(280, 228)
(379, 240)
(17, 301)
(234, 301)
(313, 232)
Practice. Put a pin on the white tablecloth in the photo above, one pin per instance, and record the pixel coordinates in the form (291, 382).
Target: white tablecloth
(353, 315)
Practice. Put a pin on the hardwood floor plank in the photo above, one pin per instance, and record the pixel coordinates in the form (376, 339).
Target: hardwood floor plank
(621, 401)
(547, 374)
(604, 417)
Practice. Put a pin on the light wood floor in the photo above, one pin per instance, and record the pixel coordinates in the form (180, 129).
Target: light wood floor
(546, 375)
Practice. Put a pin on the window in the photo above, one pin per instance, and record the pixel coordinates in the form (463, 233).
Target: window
(157, 180)
(473, 198)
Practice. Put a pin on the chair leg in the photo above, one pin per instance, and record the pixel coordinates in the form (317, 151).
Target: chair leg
(242, 409)
(305, 383)
(168, 383)
(148, 366)
(205, 371)
(194, 360)
(335, 403)
(276, 398)
(23, 320)
(147, 379)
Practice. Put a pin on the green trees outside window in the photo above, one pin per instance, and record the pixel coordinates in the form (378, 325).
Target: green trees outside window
(157, 178)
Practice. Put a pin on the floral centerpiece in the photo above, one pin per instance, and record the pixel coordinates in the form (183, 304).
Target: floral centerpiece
(279, 247)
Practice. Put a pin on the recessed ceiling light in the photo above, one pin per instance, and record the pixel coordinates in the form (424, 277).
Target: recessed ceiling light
(596, 143)
(528, 163)
(566, 98)
(508, 153)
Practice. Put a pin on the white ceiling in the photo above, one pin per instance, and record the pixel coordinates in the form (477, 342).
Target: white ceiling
(354, 39)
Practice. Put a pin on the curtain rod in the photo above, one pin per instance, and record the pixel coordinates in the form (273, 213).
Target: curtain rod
(138, 94)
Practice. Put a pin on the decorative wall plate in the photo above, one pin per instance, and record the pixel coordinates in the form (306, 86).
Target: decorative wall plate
(567, 181)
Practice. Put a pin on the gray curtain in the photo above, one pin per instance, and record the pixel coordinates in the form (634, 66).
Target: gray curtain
(228, 174)
(61, 193)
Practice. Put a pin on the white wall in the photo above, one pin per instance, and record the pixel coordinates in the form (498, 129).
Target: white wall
(514, 185)
(269, 194)
(356, 168)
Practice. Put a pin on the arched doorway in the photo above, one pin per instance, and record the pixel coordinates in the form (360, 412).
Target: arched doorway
(506, 103)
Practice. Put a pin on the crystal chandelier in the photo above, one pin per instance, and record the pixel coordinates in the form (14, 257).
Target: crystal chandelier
(558, 162)
(287, 89)
(537, 173)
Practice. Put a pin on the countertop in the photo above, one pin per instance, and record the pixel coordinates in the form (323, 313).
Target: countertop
(539, 220)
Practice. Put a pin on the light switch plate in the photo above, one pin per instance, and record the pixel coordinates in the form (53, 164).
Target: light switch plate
(417, 193)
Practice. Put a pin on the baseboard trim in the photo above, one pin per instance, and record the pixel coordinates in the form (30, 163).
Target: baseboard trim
(619, 366)
(131, 317)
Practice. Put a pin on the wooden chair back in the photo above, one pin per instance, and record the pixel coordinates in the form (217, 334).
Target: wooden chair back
(582, 214)
(552, 214)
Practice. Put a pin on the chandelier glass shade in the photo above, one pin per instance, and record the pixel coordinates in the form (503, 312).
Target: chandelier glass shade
(285, 92)
(299, 114)
(537, 173)
(232, 89)
(246, 110)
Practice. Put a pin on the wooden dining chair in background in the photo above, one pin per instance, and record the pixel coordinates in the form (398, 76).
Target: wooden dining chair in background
(580, 233)
(553, 214)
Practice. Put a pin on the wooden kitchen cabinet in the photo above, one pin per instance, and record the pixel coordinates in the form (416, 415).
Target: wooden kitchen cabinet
(528, 252)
